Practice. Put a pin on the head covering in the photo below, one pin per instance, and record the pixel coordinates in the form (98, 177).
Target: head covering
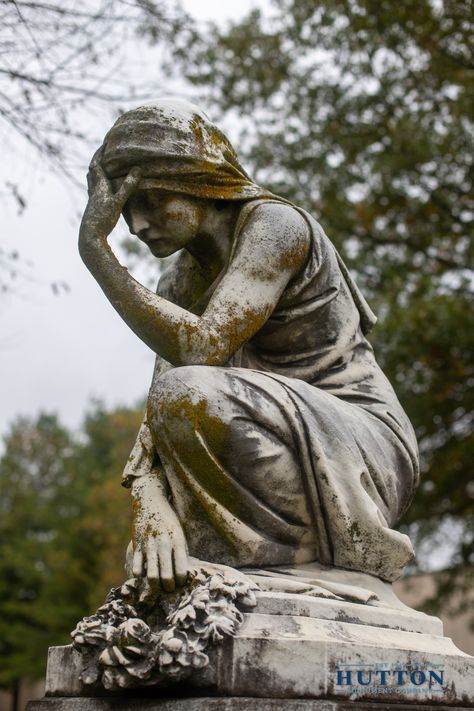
(178, 149)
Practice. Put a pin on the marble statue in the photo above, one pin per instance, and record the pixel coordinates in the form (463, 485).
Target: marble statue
(271, 435)
(274, 458)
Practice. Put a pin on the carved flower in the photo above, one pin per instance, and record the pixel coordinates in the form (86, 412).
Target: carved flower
(184, 616)
(116, 677)
(245, 593)
(199, 660)
(122, 650)
(218, 584)
(131, 657)
(116, 611)
(139, 668)
(177, 654)
(240, 590)
(129, 590)
(222, 619)
(133, 591)
(92, 631)
(134, 635)
(200, 598)
(172, 643)
(91, 673)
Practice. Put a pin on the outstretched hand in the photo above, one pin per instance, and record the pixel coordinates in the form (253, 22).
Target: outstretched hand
(104, 206)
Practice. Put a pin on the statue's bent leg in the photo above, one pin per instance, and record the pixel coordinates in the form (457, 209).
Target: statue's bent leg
(267, 470)
(229, 456)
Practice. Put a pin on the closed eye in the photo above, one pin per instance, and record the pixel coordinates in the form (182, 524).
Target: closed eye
(136, 203)
(153, 198)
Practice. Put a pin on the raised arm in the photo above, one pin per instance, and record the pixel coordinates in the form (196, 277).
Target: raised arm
(272, 248)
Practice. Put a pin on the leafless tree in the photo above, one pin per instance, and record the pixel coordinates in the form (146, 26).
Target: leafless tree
(63, 63)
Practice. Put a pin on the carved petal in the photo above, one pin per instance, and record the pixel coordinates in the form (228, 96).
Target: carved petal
(165, 658)
(199, 660)
(141, 669)
(90, 674)
(108, 658)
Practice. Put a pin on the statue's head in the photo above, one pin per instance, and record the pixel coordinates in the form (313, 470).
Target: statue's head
(178, 150)
(184, 159)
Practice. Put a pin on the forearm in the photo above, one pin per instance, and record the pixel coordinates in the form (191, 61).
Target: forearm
(173, 333)
(149, 492)
(159, 545)
(143, 457)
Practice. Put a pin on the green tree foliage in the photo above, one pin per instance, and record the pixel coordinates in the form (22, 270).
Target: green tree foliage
(361, 111)
(35, 475)
(106, 525)
(64, 526)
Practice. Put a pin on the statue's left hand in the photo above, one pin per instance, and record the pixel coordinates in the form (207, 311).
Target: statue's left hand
(104, 206)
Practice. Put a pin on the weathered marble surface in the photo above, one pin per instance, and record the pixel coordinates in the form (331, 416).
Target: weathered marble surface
(290, 646)
(143, 637)
(271, 434)
(222, 704)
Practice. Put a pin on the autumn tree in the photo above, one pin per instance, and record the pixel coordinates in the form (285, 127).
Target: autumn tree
(108, 440)
(361, 111)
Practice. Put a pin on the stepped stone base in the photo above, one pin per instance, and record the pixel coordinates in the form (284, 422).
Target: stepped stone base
(296, 652)
(220, 704)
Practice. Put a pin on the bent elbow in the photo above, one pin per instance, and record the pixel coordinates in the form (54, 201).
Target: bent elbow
(211, 357)
(206, 348)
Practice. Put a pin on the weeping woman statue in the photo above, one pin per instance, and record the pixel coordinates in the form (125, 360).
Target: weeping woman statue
(271, 436)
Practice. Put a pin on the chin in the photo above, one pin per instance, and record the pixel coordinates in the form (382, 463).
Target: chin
(161, 251)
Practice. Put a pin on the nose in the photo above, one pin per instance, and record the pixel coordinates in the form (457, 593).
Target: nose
(138, 221)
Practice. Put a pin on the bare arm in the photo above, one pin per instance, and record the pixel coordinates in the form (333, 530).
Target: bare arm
(142, 458)
(158, 548)
(272, 249)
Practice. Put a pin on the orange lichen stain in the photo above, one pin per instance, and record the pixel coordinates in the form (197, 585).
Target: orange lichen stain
(206, 180)
(237, 331)
(197, 130)
(291, 259)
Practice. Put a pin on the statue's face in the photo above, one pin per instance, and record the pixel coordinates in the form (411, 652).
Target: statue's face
(164, 221)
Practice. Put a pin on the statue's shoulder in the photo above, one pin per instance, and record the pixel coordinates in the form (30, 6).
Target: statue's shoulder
(272, 224)
(275, 213)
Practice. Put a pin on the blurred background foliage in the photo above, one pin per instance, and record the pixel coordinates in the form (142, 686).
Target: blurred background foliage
(360, 111)
(64, 527)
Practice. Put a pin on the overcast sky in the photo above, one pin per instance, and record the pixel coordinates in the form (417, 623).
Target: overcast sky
(58, 352)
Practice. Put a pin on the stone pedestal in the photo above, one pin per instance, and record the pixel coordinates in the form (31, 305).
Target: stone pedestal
(221, 704)
(311, 652)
